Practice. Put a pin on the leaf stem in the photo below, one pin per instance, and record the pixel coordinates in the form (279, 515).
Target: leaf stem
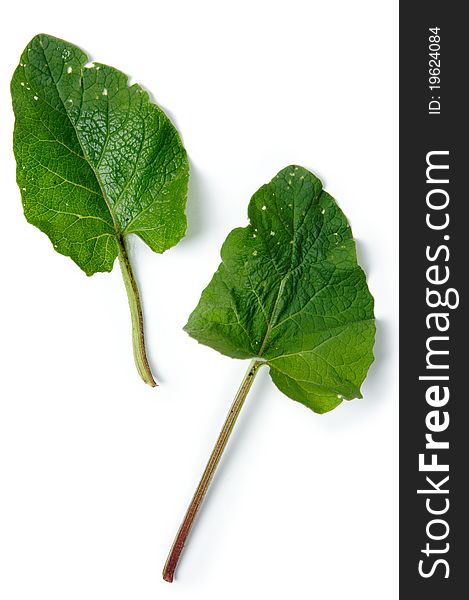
(196, 502)
(138, 332)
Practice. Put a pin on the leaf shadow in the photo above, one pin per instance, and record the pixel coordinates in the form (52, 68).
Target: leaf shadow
(383, 347)
(363, 256)
(372, 388)
(195, 207)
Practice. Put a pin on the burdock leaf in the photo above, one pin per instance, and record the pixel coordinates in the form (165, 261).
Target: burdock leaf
(288, 294)
(291, 293)
(96, 161)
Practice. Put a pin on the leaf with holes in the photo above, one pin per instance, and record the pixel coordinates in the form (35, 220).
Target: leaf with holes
(290, 295)
(96, 161)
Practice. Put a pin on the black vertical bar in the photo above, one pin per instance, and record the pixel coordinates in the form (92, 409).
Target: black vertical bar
(423, 246)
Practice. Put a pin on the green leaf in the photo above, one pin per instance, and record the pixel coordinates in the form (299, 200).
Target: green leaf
(288, 294)
(291, 293)
(96, 159)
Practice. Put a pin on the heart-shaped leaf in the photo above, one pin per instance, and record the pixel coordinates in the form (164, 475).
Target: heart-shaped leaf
(288, 294)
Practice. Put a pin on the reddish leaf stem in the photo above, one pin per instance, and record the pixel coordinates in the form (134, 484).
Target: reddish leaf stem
(196, 502)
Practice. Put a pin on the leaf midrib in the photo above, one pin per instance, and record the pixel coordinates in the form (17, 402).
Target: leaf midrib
(270, 324)
(115, 223)
(291, 270)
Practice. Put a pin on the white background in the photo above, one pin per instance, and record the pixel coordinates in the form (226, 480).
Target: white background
(96, 469)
